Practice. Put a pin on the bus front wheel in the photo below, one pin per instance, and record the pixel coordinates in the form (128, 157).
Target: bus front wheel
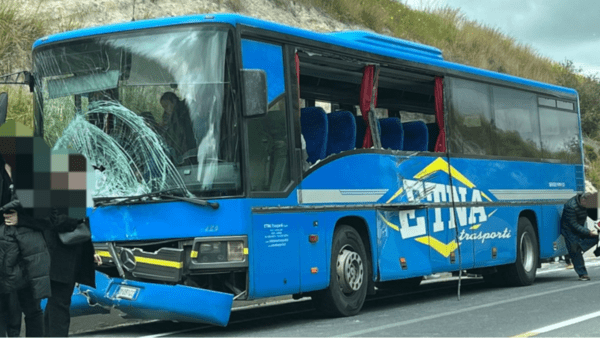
(523, 271)
(349, 273)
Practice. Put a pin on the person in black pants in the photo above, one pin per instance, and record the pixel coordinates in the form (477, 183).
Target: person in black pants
(578, 237)
(25, 264)
(13, 327)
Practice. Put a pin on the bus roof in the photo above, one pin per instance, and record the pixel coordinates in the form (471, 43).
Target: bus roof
(358, 40)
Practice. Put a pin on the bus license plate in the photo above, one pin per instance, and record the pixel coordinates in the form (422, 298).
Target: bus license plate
(126, 292)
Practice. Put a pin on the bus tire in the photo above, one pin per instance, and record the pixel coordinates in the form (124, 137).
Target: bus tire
(348, 278)
(523, 271)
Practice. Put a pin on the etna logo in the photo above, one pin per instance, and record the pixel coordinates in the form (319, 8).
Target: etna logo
(411, 226)
(417, 190)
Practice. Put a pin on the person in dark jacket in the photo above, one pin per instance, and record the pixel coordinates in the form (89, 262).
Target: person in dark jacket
(25, 263)
(69, 264)
(578, 237)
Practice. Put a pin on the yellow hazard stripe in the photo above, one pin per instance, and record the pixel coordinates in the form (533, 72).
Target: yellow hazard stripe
(103, 253)
(147, 260)
(160, 262)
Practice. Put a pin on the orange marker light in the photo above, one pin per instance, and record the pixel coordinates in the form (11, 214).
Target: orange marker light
(314, 270)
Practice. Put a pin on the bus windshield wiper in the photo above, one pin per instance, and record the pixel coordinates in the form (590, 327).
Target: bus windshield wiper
(167, 193)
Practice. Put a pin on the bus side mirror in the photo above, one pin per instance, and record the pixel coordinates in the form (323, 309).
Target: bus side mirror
(3, 107)
(254, 82)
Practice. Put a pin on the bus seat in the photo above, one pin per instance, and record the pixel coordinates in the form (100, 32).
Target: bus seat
(434, 130)
(313, 121)
(392, 134)
(416, 136)
(342, 132)
(361, 129)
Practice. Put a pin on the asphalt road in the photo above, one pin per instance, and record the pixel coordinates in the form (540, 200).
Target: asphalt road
(557, 305)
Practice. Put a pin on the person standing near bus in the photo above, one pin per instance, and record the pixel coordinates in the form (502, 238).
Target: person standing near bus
(25, 263)
(577, 236)
(69, 264)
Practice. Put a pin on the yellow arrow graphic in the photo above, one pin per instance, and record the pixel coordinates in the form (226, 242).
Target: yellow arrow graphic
(444, 249)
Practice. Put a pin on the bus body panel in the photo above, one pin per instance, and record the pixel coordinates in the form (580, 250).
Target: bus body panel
(274, 263)
(549, 232)
(191, 304)
(278, 237)
(170, 220)
(392, 249)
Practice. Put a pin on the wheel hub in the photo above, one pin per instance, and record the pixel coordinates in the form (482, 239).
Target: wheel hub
(349, 271)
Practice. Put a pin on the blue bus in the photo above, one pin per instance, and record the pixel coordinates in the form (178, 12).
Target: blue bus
(239, 159)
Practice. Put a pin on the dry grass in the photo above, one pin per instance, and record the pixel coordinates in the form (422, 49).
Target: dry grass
(20, 104)
(18, 31)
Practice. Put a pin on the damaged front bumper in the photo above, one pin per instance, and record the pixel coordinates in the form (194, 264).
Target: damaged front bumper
(157, 301)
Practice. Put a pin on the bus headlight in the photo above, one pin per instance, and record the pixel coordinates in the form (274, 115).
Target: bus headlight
(216, 252)
(235, 251)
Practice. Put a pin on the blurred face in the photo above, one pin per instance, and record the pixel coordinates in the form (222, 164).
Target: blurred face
(168, 106)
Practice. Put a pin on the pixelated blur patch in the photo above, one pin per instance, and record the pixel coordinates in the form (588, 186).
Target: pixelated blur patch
(24, 145)
(23, 171)
(41, 180)
(45, 179)
(8, 146)
(41, 160)
(77, 180)
(59, 181)
(12, 128)
(77, 163)
(59, 163)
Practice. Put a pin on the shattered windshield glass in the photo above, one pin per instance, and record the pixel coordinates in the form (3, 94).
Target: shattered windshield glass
(151, 110)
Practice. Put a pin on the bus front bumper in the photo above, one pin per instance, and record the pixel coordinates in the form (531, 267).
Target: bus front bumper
(160, 301)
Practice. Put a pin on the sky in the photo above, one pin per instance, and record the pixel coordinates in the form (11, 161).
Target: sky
(558, 29)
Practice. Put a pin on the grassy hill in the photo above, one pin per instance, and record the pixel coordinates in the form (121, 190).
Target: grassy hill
(461, 40)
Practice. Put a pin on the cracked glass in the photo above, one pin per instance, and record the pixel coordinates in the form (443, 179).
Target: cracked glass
(152, 110)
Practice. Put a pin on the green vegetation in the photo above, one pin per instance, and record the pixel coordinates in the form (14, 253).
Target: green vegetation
(461, 41)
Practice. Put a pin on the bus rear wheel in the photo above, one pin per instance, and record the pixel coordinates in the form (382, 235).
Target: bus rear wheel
(348, 277)
(523, 271)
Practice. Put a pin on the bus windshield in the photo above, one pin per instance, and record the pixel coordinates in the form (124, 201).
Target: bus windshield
(151, 110)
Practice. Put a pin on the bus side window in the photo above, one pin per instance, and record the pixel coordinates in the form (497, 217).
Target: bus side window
(470, 122)
(517, 131)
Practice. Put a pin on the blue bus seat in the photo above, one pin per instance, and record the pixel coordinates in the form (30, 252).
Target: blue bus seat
(392, 134)
(342, 132)
(416, 136)
(434, 130)
(313, 121)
